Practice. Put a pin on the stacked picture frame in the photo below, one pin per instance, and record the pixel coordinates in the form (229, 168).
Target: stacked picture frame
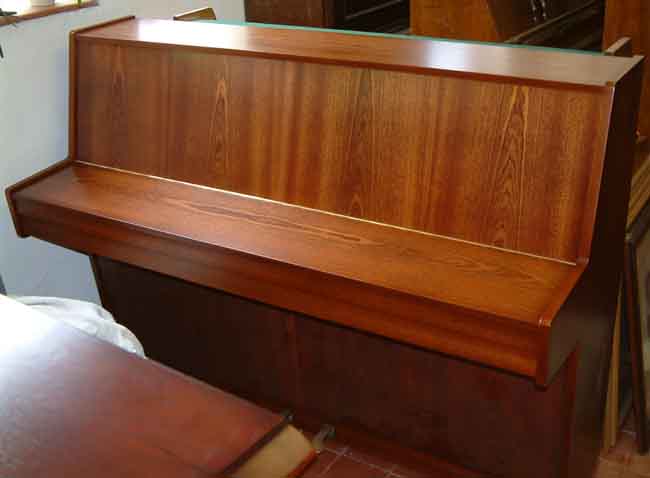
(630, 365)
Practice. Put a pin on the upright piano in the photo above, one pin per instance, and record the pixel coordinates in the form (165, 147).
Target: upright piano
(418, 241)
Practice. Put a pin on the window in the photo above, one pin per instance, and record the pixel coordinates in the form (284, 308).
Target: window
(25, 11)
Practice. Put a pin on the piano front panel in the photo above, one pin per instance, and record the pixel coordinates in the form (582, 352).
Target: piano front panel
(450, 156)
(325, 373)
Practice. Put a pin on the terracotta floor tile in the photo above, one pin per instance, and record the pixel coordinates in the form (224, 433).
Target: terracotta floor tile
(345, 467)
(401, 472)
(321, 465)
(631, 474)
(331, 444)
(367, 458)
(624, 450)
(341, 461)
(336, 446)
(609, 469)
(640, 464)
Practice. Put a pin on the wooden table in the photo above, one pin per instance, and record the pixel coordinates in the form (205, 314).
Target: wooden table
(73, 406)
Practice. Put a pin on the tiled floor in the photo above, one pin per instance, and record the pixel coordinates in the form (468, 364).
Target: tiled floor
(623, 461)
(340, 461)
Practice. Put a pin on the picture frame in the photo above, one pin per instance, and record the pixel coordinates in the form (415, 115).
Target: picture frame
(626, 388)
(636, 307)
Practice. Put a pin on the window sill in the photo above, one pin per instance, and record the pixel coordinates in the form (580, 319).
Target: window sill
(29, 13)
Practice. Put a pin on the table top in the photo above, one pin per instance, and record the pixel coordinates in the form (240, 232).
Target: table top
(74, 406)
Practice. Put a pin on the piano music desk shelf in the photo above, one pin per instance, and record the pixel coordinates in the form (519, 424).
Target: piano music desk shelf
(205, 235)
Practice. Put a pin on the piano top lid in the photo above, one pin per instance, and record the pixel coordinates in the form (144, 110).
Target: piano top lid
(416, 55)
(487, 61)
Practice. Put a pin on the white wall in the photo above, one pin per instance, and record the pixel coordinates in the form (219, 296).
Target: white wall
(33, 131)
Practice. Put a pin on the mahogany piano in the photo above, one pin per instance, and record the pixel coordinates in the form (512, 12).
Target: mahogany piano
(417, 241)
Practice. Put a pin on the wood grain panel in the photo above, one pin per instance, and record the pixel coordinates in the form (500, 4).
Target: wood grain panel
(225, 339)
(335, 246)
(365, 143)
(84, 224)
(198, 151)
(429, 402)
(113, 130)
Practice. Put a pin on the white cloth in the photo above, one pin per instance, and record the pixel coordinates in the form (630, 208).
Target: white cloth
(87, 317)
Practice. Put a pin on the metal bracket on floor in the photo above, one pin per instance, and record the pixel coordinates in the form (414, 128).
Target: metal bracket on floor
(326, 432)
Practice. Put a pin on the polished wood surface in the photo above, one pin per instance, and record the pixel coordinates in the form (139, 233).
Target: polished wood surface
(239, 232)
(469, 60)
(589, 313)
(74, 406)
(363, 198)
(631, 18)
(73, 90)
(377, 170)
(515, 286)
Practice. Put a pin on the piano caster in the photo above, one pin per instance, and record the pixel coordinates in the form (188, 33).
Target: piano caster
(318, 442)
(326, 432)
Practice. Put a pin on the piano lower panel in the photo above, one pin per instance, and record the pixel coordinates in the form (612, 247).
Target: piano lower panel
(487, 420)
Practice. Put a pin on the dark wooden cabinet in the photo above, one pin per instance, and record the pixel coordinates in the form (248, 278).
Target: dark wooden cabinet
(366, 15)
(555, 23)
(311, 13)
